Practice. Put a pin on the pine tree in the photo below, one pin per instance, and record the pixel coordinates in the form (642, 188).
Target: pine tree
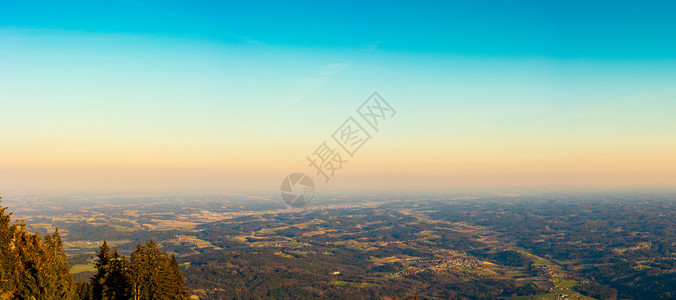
(140, 272)
(155, 275)
(176, 278)
(117, 282)
(112, 280)
(147, 272)
(31, 281)
(102, 266)
(62, 284)
(9, 267)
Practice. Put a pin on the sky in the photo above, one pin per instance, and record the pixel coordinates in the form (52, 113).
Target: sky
(217, 97)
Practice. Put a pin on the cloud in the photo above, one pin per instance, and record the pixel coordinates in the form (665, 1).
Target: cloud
(310, 84)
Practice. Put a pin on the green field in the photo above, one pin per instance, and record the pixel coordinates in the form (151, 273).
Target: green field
(82, 268)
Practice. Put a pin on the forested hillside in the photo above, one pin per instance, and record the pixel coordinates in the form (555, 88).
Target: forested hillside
(32, 267)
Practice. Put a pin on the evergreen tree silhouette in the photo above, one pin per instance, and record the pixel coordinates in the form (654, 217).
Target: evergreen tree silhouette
(31, 268)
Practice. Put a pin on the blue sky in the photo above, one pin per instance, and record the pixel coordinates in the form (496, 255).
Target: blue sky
(164, 96)
(597, 29)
